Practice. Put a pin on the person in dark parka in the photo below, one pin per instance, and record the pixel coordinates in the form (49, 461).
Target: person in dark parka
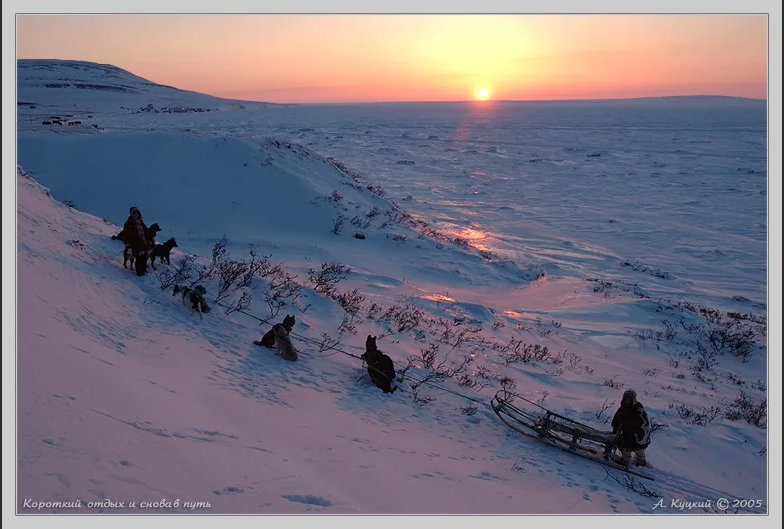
(135, 235)
(632, 429)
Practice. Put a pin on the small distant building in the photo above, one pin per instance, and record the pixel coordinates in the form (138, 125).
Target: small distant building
(150, 107)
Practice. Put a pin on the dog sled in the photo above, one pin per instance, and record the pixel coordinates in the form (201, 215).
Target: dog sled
(537, 422)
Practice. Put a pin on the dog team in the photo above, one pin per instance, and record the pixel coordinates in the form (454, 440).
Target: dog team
(140, 245)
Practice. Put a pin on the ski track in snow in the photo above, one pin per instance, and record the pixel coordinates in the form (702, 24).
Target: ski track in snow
(126, 394)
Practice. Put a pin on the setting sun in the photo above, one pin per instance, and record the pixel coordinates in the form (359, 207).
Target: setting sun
(482, 93)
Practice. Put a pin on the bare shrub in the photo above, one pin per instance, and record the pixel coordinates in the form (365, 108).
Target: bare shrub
(739, 343)
(386, 332)
(182, 273)
(706, 379)
(508, 386)
(282, 290)
(373, 212)
(483, 372)
(403, 317)
(243, 303)
(337, 224)
(567, 358)
(360, 222)
(653, 335)
(556, 371)
(327, 342)
(476, 382)
(348, 325)
(758, 320)
(656, 426)
(203, 274)
(427, 356)
(694, 417)
(442, 369)
(707, 359)
(234, 274)
(468, 410)
(735, 379)
(600, 411)
(454, 369)
(725, 332)
(376, 190)
(516, 351)
(546, 329)
(461, 242)
(417, 386)
(328, 277)
(373, 310)
(747, 409)
(455, 333)
(635, 485)
(612, 383)
(670, 330)
(351, 302)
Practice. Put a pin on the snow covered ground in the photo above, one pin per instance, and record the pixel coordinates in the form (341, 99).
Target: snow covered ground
(627, 238)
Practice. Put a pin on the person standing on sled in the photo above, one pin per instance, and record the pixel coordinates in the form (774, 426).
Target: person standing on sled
(135, 236)
(632, 429)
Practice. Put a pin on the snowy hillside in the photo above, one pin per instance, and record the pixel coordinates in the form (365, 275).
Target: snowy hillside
(78, 89)
(126, 394)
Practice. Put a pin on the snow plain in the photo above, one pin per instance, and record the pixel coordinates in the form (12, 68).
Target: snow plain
(603, 231)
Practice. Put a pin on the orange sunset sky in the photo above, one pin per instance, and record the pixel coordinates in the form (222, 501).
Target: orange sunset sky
(361, 58)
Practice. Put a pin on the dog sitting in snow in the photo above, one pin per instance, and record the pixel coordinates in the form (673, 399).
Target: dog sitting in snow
(380, 366)
(283, 343)
(268, 340)
(196, 296)
(163, 252)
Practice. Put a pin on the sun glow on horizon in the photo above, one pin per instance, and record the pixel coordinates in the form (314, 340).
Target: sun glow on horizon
(374, 58)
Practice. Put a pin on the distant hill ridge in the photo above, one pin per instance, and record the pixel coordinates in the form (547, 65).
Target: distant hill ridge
(53, 81)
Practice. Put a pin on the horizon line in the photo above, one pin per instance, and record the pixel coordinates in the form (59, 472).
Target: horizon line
(478, 101)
